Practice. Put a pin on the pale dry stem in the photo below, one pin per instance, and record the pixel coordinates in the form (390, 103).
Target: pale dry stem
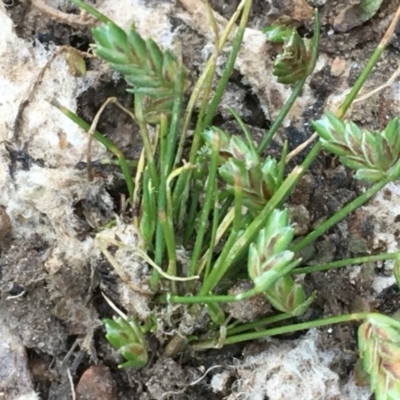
(64, 18)
(19, 117)
(102, 244)
(301, 147)
(389, 82)
(92, 129)
(71, 383)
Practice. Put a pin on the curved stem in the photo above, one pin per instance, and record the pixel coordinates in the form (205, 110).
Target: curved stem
(107, 143)
(345, 263)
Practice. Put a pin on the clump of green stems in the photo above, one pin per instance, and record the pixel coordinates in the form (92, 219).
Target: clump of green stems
(223, 202)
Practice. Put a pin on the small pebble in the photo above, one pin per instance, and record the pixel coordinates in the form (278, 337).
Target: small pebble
(96, 383)
(338, 66)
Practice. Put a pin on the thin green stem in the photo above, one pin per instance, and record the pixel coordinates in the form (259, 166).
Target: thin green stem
(231, 253)
(171, 247)
(162, 157)
(369, 67)
(192, 214)
(273, 276)
(147, 211)
(149, 154)
(345, 263)
(92, 11)
(340, 113)
(214, 228)
(217, 272)
(256, 324)
(245, 130)
(201, 299)
(165, 170)
(219, 269)
(205, 77)
(207, 344)
(207, 206)
(229, 65)
(206, 115)
(107, 143)
(237, 216)
(181, 194)
(282, 115)
(356, 203)
(213, 298)
(282, 164)
(360, 82)
(296, 91)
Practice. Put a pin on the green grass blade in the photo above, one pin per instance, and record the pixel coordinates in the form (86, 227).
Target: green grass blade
(207, 206)
(107, 143)
(92, 11)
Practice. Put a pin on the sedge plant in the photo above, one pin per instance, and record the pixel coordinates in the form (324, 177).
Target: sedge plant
(222, 203)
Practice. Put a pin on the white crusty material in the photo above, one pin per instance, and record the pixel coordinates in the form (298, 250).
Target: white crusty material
(300, 369)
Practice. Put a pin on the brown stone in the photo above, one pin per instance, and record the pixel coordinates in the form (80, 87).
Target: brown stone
(96, 383)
